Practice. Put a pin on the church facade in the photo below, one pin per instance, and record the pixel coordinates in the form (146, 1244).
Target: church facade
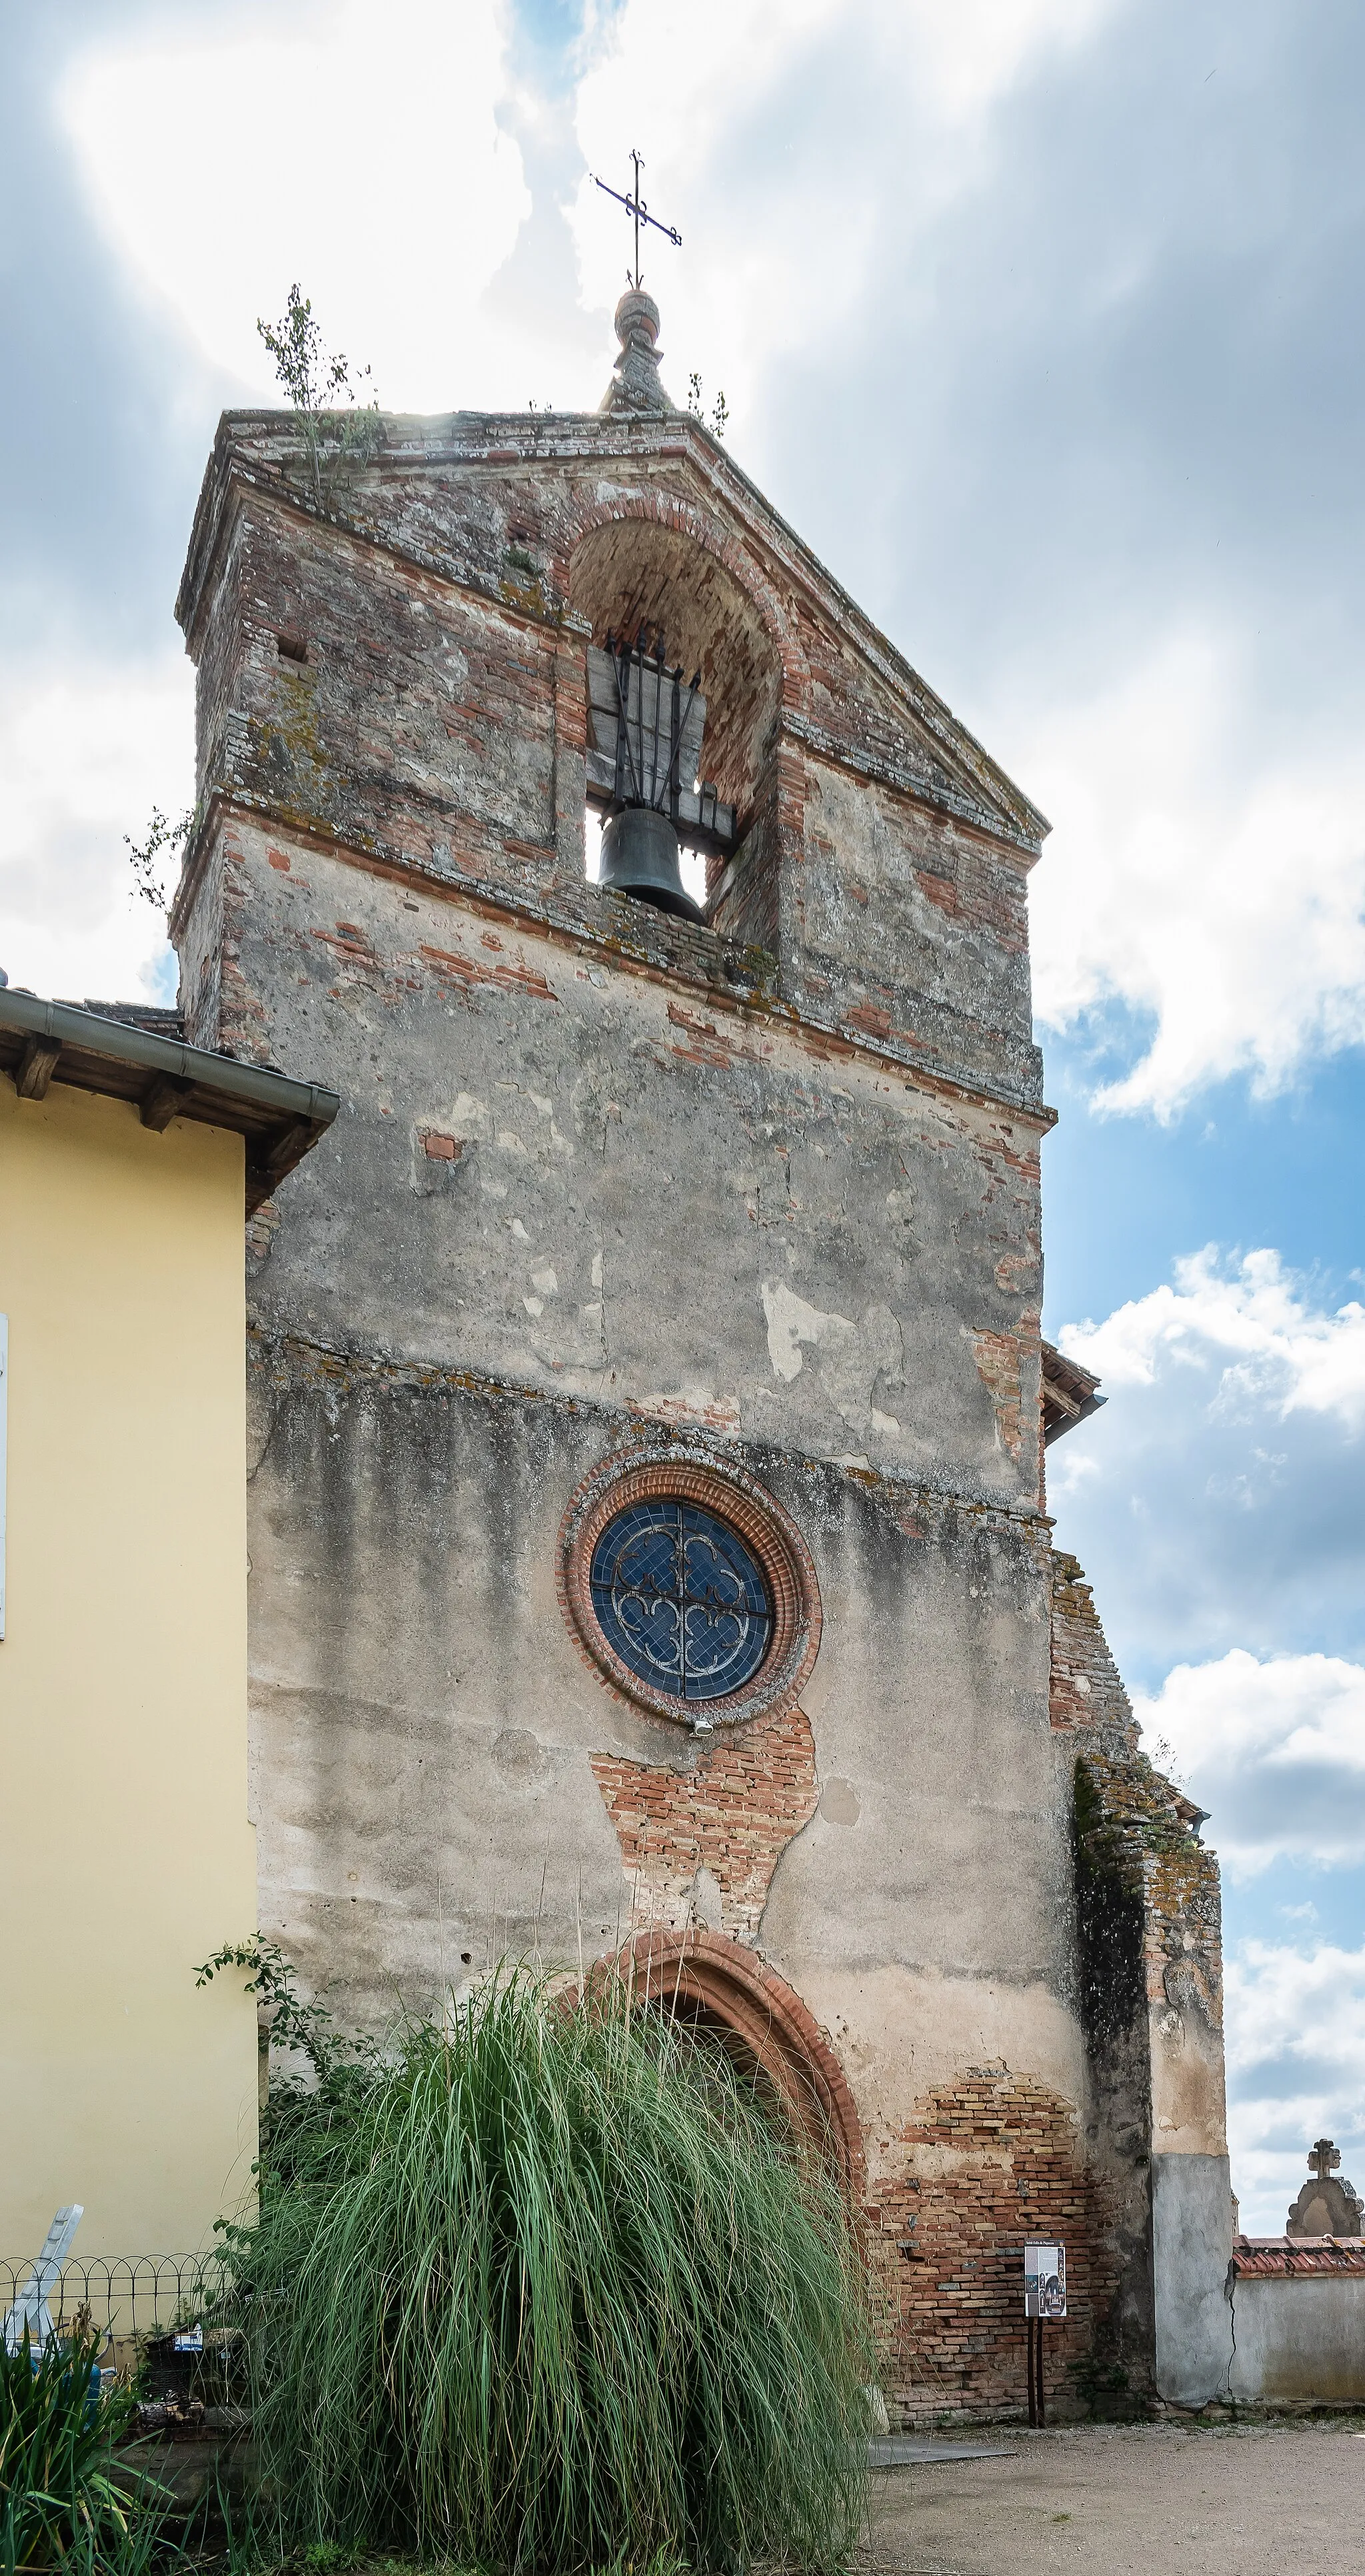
(649, 1550)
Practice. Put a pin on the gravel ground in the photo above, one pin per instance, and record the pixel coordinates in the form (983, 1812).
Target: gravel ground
(1266, 2500)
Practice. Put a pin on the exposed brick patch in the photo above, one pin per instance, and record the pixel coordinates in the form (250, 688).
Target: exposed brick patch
(734, 1815)
(713, 1046)
(940, 890)
(468, 972)
(721, 1416)
(261, 1230)
(443, 1149)
(989, 2162)
(870, 1020)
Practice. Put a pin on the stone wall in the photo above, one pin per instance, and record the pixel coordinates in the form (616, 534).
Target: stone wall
(766, 1187)
(438, 715)
(860, 1255)
(1150, 1969)
(1297, 2322)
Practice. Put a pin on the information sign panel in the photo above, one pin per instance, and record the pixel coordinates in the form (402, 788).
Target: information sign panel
(1045, 2280)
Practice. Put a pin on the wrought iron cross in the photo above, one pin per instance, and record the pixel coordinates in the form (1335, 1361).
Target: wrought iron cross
(1323, 2159)
(635, 206)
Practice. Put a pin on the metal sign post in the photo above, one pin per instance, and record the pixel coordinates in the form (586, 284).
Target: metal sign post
(1044, 2296)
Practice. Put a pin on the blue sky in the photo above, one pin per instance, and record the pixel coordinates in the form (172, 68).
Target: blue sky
(1042, 320)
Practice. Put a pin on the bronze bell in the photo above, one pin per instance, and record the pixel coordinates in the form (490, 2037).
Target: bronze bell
(640, 856)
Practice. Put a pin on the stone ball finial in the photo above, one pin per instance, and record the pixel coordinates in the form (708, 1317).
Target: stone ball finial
(635, 383)
(637, 319)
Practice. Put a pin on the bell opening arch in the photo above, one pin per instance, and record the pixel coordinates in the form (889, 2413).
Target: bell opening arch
(635, 577)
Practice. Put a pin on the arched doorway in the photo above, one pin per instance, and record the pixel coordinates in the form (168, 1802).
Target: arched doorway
(715, 1983)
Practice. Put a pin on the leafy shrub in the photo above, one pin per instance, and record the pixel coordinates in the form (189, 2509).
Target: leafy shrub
(60, 2505)
(557, 2292)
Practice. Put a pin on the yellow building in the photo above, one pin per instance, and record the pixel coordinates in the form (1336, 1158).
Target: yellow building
(126, 1159)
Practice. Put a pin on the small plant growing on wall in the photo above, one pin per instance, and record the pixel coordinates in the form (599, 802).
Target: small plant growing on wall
(156, 860)
(336, 427)
(720, 409)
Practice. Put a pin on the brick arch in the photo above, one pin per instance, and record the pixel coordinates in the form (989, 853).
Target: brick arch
(706, 1976)
(667, 510)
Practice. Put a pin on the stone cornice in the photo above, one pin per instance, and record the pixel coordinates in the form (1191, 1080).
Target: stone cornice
(906, 1497)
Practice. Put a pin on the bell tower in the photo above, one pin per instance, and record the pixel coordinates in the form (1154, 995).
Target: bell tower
(648, 1539)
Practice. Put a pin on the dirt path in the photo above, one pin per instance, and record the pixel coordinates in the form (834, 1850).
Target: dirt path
(1132, 2500)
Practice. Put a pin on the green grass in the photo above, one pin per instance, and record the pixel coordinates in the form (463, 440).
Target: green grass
(557, 2293)
(60, 2503)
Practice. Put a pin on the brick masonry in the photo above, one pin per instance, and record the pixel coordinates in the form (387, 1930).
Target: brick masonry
(1086, 1687)
(701, 1845)
(991, 2161)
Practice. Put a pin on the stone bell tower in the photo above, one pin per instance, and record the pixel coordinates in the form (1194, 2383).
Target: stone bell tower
(647, 1525)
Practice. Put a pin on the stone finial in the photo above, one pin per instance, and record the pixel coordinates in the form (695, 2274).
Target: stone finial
(635, 383)
(1325, 2207)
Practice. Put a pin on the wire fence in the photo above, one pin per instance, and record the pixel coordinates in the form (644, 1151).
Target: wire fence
(127, 2297)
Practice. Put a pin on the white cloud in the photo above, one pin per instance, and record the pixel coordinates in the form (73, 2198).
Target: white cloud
(1295, 2028)
(1253, 1325)
(362, 156)
(787, 140)
(812, 152)
(86, 750)
(1225, 1505)
(1275, 1751)
(1193, 878)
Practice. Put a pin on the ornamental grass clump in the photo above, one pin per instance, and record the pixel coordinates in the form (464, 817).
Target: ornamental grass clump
(62, 2505)
(559, 2292)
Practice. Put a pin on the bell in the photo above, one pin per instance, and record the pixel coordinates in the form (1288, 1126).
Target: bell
(640, 856)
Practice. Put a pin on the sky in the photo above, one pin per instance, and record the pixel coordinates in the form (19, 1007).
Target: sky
(1044, 322)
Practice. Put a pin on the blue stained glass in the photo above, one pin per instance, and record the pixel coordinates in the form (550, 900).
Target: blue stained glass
(681, 1599)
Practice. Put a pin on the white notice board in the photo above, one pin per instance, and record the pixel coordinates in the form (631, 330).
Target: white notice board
(1045, 2280)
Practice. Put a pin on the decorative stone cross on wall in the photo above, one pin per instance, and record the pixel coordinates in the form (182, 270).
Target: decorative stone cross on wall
(1325, 2207)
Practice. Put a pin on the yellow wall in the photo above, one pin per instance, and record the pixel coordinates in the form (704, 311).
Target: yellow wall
(125, 1853)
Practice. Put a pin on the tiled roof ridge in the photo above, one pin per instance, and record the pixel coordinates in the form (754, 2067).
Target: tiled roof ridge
(1276, 2257)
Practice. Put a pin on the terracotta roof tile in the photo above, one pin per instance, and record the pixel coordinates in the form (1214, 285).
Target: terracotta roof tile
(1293, 2257)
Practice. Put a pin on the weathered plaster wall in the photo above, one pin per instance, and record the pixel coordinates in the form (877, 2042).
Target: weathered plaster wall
(441, 1778)
(1296, 2321)
(561, 1172)
(425, 1721)
(1299, 2343)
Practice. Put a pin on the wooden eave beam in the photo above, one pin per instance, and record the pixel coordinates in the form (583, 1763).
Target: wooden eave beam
(36, 1067)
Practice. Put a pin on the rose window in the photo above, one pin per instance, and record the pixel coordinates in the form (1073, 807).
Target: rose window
(681, 1599)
